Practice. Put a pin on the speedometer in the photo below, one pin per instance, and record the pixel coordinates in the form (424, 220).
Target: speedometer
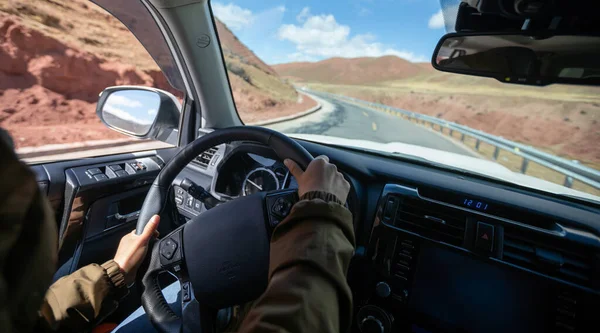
(260, 180)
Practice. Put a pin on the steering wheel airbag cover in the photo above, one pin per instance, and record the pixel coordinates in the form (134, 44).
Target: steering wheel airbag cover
(228, 268)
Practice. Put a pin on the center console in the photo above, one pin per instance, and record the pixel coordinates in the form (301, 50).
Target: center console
(438, 265)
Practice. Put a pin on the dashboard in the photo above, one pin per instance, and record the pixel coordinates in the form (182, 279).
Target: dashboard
(247, 173)
(442, 263)
(439, 251)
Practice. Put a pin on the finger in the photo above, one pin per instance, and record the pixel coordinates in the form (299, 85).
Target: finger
(150, 227)
(294, 168)
(323, 157)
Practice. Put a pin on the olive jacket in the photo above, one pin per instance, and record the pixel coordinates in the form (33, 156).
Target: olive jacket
(307, 290)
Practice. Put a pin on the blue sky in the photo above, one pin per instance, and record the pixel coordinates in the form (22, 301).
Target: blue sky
(281, 31)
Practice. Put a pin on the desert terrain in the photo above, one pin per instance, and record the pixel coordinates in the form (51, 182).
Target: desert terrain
(560, 119)
(57, 56)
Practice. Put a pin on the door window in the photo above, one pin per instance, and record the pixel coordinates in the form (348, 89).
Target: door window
(55, 59)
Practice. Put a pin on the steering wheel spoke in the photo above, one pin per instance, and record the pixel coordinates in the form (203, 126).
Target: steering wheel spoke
(278, 205)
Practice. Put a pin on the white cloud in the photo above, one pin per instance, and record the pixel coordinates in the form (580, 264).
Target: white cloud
(322, 36)
(235, 17)
(152, 112)
(437, 20)
(444, 18)
(121, 100)
(126, 116)
(304, 13)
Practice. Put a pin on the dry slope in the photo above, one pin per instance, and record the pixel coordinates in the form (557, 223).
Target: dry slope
(49, 50)
(351, 71)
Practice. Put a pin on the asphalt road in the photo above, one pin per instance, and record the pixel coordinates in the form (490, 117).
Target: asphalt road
(335, 118)
(350, 121)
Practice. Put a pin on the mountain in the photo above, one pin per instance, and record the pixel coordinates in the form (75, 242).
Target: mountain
(354, 71)
(255, 84)
(50, 49)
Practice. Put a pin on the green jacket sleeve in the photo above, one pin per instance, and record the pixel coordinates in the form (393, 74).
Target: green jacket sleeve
(28, 255)
(307, 290)
(76, 301)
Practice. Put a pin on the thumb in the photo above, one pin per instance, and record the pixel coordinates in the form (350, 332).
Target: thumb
(295, 170)
(150, 227)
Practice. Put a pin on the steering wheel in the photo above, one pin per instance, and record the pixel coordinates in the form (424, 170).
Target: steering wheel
(221, 257)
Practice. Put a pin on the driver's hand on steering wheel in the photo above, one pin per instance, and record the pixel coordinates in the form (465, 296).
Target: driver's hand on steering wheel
(320, 175)
(132, 249)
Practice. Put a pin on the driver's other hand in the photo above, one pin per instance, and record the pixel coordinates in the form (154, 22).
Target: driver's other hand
(132, 249)
(319, 176)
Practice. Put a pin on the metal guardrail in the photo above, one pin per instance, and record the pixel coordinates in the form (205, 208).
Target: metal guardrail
(570, 169)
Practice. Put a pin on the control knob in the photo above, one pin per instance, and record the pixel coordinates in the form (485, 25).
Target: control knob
(373, 319)
(371, 325)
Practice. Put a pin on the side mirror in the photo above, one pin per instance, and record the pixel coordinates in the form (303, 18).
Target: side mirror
(140, 112)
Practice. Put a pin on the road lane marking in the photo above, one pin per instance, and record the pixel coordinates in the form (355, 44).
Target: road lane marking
(374, 126)
(365, 114)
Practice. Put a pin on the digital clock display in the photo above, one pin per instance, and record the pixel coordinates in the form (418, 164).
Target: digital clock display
(475, 204)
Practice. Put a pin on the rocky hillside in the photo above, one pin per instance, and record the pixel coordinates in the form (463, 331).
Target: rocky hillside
(255, 84)
(57, 56)
(352, 71)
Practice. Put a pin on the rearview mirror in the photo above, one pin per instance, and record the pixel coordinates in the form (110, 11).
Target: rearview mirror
(140, 112)
(521, 58)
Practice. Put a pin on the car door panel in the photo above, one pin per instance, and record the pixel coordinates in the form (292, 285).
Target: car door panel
(93, 215)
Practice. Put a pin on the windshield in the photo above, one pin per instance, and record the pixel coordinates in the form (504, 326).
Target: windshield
(358, 74)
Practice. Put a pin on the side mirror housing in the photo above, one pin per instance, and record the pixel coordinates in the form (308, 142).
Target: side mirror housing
(140, 112)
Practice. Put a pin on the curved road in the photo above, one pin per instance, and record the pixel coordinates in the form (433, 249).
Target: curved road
(344, 120)
(335, 118)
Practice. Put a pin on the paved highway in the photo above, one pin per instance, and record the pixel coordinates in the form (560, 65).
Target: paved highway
(344, 120)
(335, 118)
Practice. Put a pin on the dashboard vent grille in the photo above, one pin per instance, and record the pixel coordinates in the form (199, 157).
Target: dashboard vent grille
(568, 265)
(204, 159)
(431, 220)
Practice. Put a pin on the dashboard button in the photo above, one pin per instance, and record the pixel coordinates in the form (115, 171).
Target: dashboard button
(100, 177)
(197, 205)
(189, 202)
(281, 207)
(178, 201)
(383, 290)
(179, 191)
(121, 173)
(168, 249)
(185, 292)
(94, 171)
(485, 237)
(115, 167)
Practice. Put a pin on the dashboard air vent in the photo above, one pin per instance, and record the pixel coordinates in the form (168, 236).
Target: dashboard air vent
(431, 220)
(565, 264)
(203, 160)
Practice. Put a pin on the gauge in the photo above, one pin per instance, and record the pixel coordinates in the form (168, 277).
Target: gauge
(280, 172)
(260, 180)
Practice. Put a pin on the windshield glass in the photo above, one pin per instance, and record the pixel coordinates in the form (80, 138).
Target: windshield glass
(358, 73)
